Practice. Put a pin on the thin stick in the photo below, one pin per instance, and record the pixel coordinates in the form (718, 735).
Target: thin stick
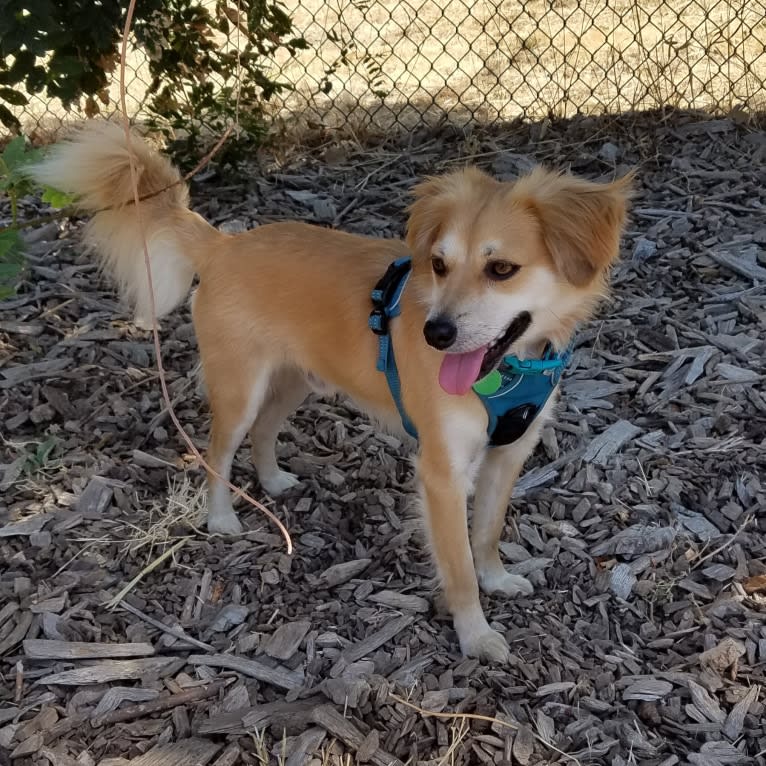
(155, 330)
(145, 571)
(479, 717)
(179, 634)
(165, 702)
(725, 545)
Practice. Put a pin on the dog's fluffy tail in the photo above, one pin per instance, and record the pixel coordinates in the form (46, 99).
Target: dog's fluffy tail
(94, 165)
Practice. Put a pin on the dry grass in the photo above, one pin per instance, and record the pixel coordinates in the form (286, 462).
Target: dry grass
(387, 61)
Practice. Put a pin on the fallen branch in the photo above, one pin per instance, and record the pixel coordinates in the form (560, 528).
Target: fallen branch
(158, 705)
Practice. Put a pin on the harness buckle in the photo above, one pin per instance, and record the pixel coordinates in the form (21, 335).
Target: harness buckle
(383, 294)
(378, 321)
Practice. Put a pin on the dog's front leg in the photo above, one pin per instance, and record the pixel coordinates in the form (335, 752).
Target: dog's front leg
(444, 498)
(497, 477)
(494, 487)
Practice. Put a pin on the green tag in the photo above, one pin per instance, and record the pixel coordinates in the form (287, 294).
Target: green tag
(489, 383)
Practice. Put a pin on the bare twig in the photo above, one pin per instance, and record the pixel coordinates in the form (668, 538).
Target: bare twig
(725, 545)
(145, 571)
(158, 705)
(479, 717)
(179, 634)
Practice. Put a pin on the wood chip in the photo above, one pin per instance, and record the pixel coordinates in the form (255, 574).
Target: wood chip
(622, 580)
(717, 754)
(343, 572)
(114, 670)
(722, 656)
(401, 601)
(648, 690)
(732, 727)
(636, 540)
(229, 756)
(115, 696)
(739, 265)
(25, 527)
(184, 753)
(334, 722)
(23, 623)
(720, 572)
(280, 714)
(705, 703)
(42, 649)
(278, 676)
(376, 640)
(23, 373)
(286, 639)
(306, 744)
(555, 688)
(96, 497)
(161, 703)
(756, 584)
(29, 746)
(607, 443)
(524, 745)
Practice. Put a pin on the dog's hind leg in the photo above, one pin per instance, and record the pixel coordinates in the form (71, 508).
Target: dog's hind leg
(235, 400)
(287, 391)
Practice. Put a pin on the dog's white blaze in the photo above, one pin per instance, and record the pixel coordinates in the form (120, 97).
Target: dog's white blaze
(451, 247)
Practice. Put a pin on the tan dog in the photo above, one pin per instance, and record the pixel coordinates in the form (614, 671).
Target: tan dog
(283, 309)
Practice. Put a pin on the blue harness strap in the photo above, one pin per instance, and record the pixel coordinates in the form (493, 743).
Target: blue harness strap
(386, 298)
(513, 394)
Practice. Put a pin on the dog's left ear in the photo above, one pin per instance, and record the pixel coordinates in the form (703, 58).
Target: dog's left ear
(581, 221)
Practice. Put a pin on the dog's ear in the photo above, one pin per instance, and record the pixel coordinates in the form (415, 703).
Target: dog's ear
(426, 214)
(580, 221)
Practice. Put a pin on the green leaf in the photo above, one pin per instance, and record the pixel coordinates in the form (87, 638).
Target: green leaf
(11, 247)
(13, 156)
(44, 450)
(11, 96)
(11, 261)
(56, 198)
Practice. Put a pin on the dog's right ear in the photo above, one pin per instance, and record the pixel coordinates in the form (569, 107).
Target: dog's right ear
(425, 216)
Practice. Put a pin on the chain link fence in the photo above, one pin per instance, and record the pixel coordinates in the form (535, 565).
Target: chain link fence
(394, 63)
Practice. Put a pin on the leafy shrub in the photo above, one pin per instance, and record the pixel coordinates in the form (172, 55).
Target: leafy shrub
(69, 49)
(14, 184)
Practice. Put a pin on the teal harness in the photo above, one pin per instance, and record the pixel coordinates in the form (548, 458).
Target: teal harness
(513, 395)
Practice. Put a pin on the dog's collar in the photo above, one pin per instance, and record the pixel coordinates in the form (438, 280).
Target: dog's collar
(513, 394)
(551, 363)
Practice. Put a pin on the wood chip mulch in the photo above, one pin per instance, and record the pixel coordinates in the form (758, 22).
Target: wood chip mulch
(640, 519)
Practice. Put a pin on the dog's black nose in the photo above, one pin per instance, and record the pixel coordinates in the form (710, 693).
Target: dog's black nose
(440, 333)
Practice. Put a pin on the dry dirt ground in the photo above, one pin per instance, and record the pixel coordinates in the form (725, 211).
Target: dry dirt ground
(640, 519)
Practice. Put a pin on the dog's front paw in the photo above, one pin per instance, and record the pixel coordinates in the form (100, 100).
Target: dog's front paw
(504, 582)
(279, 482)
(220, 523)
(488, 645)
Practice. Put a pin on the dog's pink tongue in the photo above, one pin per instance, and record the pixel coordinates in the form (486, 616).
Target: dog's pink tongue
(459, 371)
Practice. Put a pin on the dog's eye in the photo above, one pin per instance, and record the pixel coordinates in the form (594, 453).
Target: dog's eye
(438, 265)
(500, 270)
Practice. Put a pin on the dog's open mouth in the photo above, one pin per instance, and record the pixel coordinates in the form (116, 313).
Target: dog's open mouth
(459, 372)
